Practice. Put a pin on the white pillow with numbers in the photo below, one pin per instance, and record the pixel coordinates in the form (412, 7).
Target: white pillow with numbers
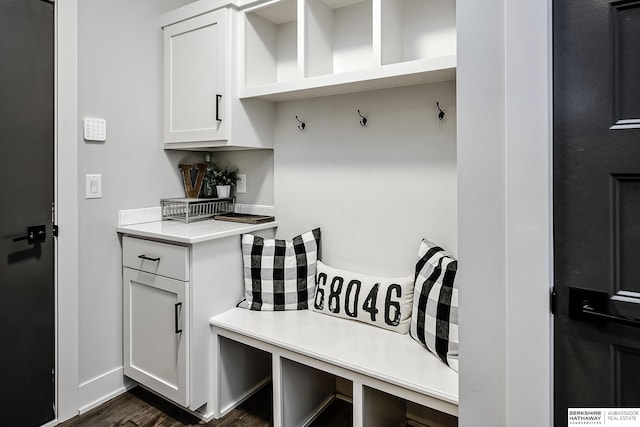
(385, 302)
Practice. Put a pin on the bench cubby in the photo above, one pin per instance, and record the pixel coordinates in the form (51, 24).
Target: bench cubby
(306, 391)
(243, 370)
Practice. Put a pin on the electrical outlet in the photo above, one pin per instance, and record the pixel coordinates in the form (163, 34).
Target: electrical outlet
(241, 183)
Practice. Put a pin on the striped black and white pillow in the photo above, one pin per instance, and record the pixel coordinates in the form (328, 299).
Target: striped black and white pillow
(280, 274)
(434, 320)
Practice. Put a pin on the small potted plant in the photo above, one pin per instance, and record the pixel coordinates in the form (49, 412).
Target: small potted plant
(223, 179)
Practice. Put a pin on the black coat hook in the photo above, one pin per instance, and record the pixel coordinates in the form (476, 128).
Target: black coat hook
(441, 113)
(363, 122)
(301, 124)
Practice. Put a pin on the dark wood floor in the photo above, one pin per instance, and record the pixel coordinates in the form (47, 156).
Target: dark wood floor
(139, 407)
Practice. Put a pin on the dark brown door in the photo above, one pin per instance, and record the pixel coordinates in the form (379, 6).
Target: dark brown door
(26, 245)
(596, 204)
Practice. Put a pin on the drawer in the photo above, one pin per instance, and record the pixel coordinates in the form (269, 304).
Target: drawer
(163, 259)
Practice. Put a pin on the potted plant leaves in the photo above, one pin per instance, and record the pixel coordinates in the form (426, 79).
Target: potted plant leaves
(222, 179)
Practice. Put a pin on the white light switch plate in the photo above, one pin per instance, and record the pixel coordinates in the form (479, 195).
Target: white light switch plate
(93, 186)
(94, 129)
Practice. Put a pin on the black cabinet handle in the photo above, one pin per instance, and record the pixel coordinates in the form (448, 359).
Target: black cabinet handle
(218, 98)
(148, 258)
(176, 313)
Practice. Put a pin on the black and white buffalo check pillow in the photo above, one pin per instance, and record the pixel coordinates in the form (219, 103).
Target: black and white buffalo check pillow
(434, 320)
(279, 274)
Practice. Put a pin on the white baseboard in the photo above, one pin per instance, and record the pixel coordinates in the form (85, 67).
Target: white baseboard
(51, 423)
(102, 388)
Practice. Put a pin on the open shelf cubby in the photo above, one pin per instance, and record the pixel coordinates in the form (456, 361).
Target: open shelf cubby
(417, 29)
(306, 391)
(338, 36)
(243, 371)
(271, 43)
(380, 409)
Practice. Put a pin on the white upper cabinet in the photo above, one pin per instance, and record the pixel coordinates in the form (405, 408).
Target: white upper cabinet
(201, 105)
(303, 48)
(196, 55)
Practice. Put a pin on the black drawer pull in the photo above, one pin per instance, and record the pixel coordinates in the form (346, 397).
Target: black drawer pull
(218, 98)
(148, 258)
(177, 308)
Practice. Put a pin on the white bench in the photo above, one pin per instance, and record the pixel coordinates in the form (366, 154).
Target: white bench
(311, 358)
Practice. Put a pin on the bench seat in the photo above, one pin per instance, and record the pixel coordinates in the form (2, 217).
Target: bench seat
(367, 355)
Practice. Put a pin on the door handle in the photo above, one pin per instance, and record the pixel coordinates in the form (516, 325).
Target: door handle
(218, 98)
(589, 311)
(588, 305)
(148, 258)
(35, 234)
(176, 309)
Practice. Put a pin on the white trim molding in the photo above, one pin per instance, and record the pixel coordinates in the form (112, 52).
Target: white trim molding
(528, 158)
(102, 388)
(66, 214)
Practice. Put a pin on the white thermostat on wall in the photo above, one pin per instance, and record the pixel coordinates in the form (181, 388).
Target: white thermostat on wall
(94, 129)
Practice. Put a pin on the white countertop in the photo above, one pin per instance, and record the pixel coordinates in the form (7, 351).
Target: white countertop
(195, 232)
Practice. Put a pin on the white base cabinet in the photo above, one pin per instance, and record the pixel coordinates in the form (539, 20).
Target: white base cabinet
(170, 292)
(156, 333)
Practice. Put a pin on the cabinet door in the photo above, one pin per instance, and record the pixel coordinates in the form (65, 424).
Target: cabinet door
(196, 61)
(156, 333)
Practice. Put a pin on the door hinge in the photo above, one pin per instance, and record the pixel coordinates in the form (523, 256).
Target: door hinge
(55, 230)
(553, 296)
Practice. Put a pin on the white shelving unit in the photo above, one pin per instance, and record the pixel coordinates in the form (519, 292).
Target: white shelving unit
(305, 48)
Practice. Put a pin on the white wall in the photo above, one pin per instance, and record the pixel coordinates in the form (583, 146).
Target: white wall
(258, 166)
(120, 72)
(375, 191)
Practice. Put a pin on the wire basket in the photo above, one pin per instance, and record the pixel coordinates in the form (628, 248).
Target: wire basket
(190, 210)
